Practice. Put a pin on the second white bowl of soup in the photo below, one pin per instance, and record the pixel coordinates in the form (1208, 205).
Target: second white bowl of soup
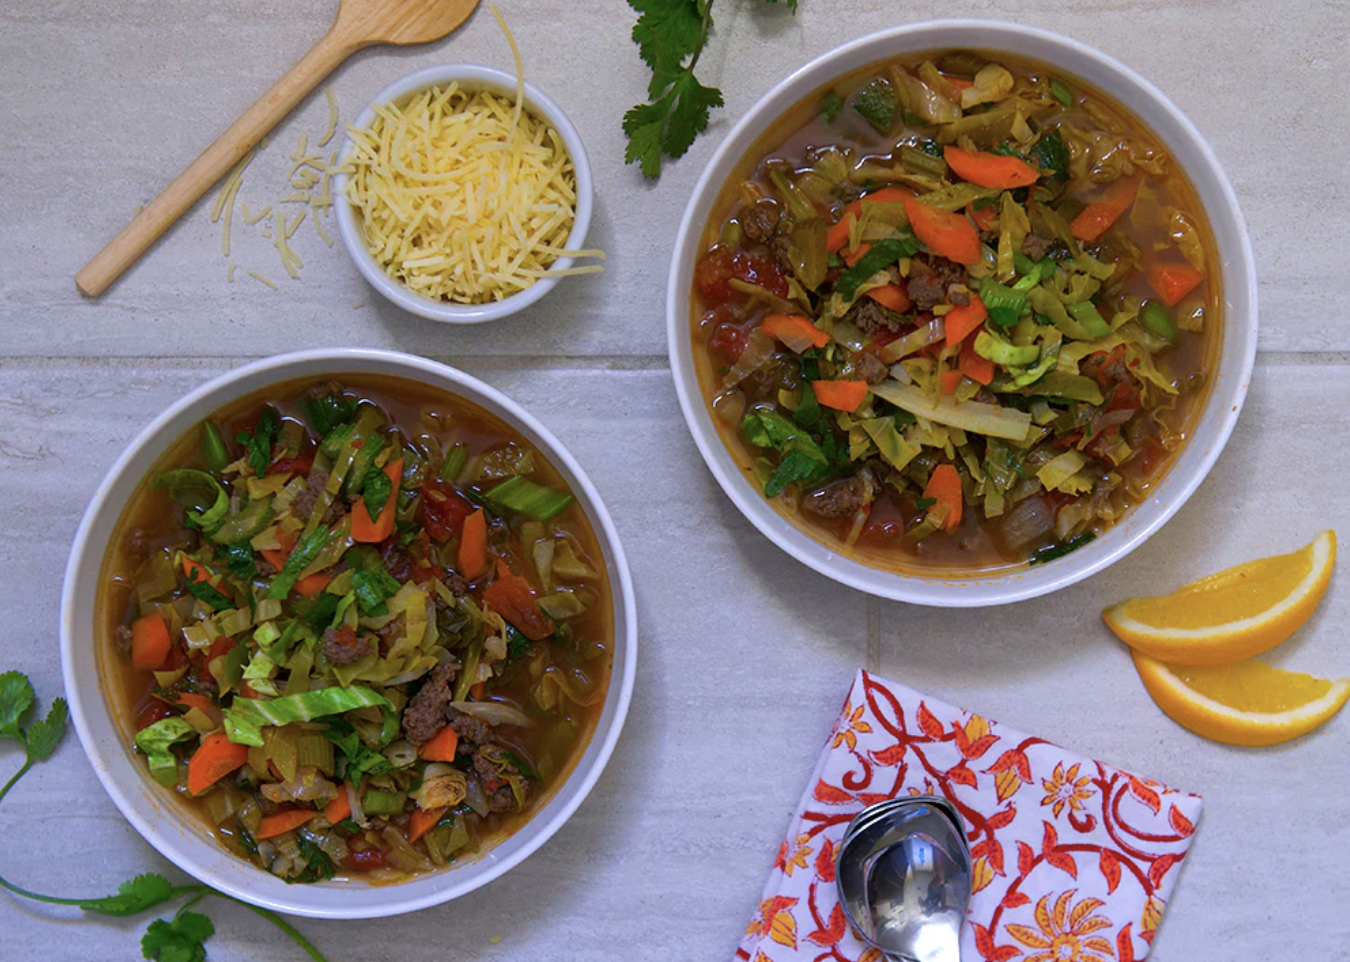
(961, 312)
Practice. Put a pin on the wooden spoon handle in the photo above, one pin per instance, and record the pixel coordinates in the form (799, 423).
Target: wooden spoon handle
(124, 249)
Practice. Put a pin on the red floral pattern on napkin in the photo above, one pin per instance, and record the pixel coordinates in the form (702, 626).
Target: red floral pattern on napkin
(1073, 860)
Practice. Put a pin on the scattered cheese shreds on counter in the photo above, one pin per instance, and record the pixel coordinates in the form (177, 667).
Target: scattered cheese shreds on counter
(464, 195)
(229, 274)
(331, 129)
(260, 279)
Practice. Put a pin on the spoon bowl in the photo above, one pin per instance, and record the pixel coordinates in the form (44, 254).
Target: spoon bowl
(904, 878)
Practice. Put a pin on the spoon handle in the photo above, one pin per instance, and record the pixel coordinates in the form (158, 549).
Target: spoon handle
(241, 136)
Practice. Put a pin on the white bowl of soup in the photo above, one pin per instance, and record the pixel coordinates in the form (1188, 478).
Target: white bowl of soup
(962, 312)
(341, 619)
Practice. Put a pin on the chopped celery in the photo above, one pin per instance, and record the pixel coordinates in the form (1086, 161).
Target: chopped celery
(1005, 304)
(995, 349)
(534, 500)
(251, 520)
(215, 450)
(454, 462)
(920, 160)
(377, 802)
(1086, 313)
(1061, 91)
(1156, 320)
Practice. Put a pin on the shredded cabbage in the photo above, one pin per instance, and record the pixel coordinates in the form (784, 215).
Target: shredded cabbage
(155, 741)
(973, 416)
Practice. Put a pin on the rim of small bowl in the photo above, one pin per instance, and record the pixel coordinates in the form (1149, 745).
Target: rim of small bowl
(1223, 401)
(179, 837)
(469, 75)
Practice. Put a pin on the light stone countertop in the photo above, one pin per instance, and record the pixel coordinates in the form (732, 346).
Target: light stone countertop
(745, 653)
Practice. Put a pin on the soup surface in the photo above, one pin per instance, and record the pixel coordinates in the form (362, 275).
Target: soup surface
(361, 628)
(956, 313)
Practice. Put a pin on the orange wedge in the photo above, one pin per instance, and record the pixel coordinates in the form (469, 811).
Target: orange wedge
(1231, 615)
(1248, 703)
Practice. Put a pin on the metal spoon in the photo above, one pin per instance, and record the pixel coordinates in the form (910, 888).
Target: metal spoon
(903, 875)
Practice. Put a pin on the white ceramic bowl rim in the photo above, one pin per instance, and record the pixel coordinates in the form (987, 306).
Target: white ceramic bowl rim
(1226, 392)
(180, 838)
(469, 75)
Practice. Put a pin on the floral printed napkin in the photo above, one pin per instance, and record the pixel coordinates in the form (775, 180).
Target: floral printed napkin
(1073, 860)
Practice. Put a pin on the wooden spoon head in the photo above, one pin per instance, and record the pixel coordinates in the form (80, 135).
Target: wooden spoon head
(401, 21)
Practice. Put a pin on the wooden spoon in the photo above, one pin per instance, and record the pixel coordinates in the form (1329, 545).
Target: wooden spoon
(359, 24)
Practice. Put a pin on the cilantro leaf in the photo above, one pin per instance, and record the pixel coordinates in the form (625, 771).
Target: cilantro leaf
(359, 759)
(259, 443)
(329, 411)
(318, 865)
(376, 492)
(516, 643)
(667, 32)
(16, 697)
(689, 115)
(43, 736)
(178, 940)
(133, 897)
(645, 124)
(239, 561)
(210, 595)
(670, 35)
(373, 588)
(303, 554)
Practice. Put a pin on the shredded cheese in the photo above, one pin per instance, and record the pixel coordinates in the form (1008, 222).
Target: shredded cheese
(260, 279)
(462, 194)
(331, 129)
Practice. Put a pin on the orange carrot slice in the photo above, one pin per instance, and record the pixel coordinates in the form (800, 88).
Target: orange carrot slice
(989, 170)
(840, 395)
(946, 234)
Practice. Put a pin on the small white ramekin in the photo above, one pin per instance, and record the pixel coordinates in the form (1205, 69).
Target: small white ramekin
(1227, 389)
(349, 226)
(152, 809)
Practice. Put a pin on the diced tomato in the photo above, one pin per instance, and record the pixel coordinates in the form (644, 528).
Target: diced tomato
(1125, 397)
(757, 269)
(177, 658)
(728, 339)
(711, 275)
(1154, 454)
(221, 646)
(885, 524)
(1096, 366)
(151, 712)
(511, 596)
(364, 860)
(443, 509)
(292, 466)
(884, 335)
(1067, 441)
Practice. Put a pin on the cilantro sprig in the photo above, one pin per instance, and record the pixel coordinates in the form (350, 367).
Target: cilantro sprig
(180, 938)
(670, 35)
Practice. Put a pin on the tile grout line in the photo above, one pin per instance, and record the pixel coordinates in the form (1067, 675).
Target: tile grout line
(507, 362)
(493, 362)
(873, 656)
